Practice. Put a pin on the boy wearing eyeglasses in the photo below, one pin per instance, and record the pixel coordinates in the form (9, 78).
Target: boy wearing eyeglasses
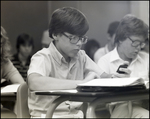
(130, 38)
(62, 65)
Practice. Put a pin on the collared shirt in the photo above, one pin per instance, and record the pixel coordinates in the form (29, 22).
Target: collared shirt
(100, 52)
(139, 66)
(49, 62)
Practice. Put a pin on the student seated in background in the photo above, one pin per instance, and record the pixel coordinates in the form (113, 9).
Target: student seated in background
(21, 59)
(45, 41)
(130, 38)
(110, 44)
(62, 65)
(8, 72)
(91, 47)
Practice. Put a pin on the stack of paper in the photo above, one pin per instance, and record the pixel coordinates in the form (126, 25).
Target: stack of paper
(114, 82)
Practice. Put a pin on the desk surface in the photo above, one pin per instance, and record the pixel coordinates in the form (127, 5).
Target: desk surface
(74, 92)
(93, 98)
(136, 94)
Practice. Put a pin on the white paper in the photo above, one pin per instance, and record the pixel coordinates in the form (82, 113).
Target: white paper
(110, 82)
(10, 88)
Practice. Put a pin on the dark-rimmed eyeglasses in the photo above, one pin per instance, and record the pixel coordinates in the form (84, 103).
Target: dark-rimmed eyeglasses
(136, 43)
(75, 39)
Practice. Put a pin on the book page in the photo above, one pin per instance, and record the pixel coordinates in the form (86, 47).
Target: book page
(10, 88)
(110, 82)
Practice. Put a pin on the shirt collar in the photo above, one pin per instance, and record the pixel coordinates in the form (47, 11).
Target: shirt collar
(138, 58)
(106, 48)
(115, 56)
(58, 56)
(55, 53)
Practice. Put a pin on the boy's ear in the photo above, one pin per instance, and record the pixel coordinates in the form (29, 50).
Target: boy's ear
(108, 37)
(120, 42)
(54, 36)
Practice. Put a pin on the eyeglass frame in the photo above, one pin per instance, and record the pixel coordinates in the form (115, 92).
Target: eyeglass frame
(140, 43)
(79, 38)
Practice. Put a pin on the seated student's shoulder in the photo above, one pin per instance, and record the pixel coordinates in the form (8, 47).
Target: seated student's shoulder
(100, 51)
(144, 54)
(43, 53)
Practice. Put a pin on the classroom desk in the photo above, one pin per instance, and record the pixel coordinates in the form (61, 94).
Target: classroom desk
(92, 98)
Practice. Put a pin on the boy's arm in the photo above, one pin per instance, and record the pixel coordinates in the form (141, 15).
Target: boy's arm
(37, 82)
(91, 69)
(11, 73)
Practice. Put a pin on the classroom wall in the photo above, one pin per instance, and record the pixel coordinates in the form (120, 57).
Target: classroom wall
(24, 16)
(140, 9)
(33, 16)
(100, 14)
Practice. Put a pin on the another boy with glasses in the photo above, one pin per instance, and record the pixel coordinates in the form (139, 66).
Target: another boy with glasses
(131, 37)
(62, 65)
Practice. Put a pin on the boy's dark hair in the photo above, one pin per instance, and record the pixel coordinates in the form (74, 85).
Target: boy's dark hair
(24, 39)
(68, 19)
(92, 43)
(112, 28)
(131, 25)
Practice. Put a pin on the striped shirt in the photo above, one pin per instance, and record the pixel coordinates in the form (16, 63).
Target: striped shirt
(21, 68)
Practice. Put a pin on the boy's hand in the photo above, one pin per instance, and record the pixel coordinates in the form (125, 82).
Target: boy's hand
(126, 74)
(91, 76)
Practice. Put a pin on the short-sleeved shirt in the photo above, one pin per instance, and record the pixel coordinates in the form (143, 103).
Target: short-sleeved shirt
(8, 70)
(21, 68)
(100, 52)
(50, 63)
(139, 66)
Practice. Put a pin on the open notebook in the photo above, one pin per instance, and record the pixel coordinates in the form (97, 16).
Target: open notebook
(115, 84)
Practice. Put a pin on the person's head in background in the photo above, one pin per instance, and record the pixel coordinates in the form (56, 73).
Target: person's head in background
(146, 48)
(46, 40)
(24, 45)
(111, 34)
(5, 46)
(91, 47)
(131, 37)
(67, 29)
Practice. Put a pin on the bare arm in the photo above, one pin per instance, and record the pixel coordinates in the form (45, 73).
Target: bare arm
(17, 78)
(41, 83)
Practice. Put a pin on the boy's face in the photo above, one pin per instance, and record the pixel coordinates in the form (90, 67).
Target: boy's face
(131, 46)
(25, 50)
(65, 47)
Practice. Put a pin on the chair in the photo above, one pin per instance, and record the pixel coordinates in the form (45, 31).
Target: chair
(22, 101)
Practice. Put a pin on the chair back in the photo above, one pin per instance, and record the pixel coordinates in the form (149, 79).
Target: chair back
(22, 101)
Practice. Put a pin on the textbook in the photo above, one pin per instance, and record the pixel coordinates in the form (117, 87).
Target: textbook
(114, 84)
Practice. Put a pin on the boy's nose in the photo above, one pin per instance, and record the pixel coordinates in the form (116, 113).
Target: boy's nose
(79, 43)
